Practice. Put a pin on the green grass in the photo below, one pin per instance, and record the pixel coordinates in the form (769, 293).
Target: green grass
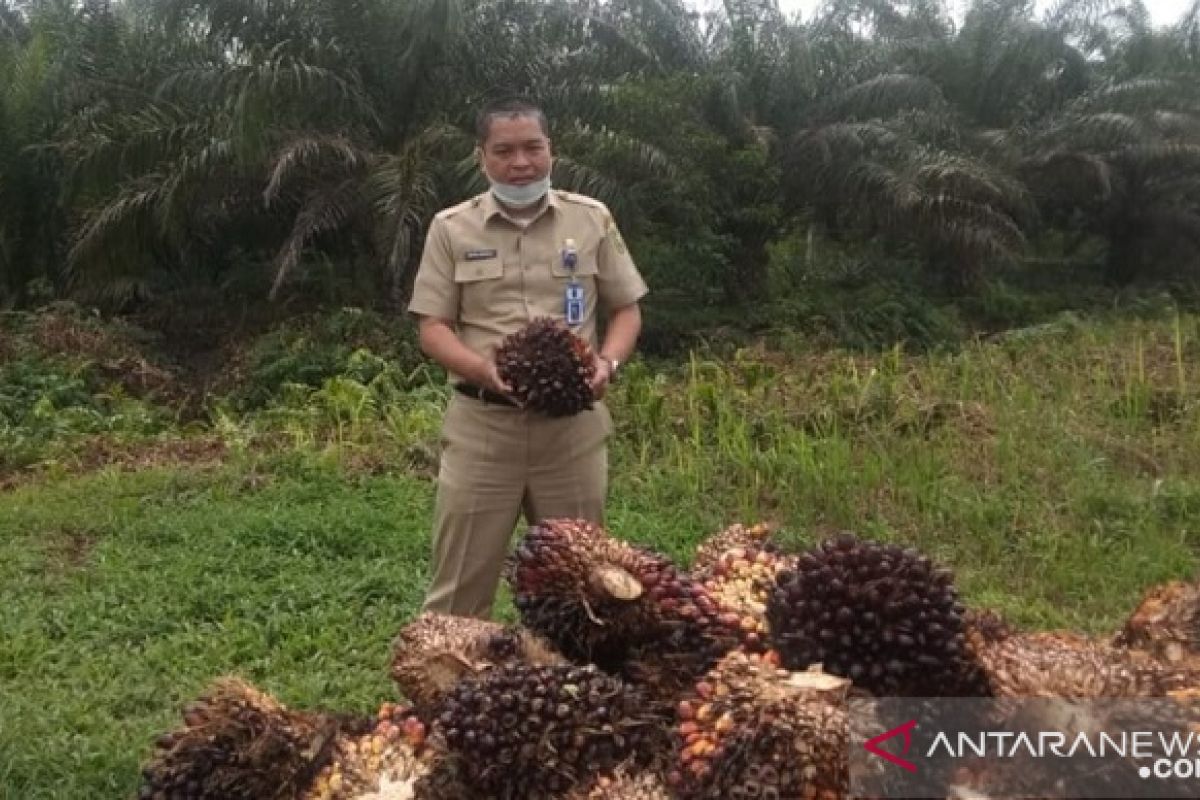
(1057, 471)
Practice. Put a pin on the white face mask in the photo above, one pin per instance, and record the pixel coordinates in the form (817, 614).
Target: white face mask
(520, 196)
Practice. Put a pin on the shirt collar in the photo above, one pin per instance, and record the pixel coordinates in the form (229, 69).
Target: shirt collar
(491, 207)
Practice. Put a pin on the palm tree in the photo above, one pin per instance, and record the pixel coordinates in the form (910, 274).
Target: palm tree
(892, 155)
(1122, 163)
(280, 140)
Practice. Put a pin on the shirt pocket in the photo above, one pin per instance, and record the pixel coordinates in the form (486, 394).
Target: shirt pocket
(478, 282)
(466, 272)
(585, 266)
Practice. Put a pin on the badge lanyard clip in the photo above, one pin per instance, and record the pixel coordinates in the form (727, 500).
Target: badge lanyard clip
(573, 297)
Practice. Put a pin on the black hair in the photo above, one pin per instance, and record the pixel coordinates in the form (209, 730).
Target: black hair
(508, 107)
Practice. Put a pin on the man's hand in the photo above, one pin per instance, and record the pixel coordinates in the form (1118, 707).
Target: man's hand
(488, 376)
(601, 378)
(439, 341)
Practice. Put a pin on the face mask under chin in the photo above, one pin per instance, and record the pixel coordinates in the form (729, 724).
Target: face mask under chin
(520, 196)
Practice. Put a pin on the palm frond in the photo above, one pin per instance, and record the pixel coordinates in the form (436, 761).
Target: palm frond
(884, 96)
(325, 210)
(1167, 159)
(1097, 132)
(1073, 173)
(1145, 94)
(119, 224)
(306, 152)
(402, 191)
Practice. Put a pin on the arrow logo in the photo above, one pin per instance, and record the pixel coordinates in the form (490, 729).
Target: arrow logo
(905, 730)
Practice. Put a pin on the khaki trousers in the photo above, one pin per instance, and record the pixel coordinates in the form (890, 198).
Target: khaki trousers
(498, 463)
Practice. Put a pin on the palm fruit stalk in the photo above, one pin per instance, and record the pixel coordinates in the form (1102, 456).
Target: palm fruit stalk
(548, 367)
(238, 743)
(739, 568)
(435, 650)
(885, 617)
(752, 729)
(1166, 623)
(383, 763)
(538, 732)
(602, 601)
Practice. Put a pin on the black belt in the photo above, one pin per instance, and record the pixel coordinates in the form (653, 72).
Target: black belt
(486, 395)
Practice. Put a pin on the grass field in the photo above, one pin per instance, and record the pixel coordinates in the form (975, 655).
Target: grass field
(1056, 470)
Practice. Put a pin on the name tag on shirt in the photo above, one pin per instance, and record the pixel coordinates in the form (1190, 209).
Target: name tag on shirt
(480, 255)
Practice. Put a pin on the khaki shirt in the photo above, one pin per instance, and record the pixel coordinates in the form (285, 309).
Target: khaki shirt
(490, 275)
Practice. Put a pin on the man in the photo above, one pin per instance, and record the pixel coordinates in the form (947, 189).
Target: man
(492, 264)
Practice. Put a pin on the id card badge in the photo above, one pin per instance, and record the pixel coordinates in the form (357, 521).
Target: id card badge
(574, 304)
(573, 297)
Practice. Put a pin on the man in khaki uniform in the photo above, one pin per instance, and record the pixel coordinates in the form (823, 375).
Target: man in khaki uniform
(491, 265)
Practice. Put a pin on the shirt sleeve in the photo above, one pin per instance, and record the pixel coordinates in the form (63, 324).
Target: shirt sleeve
(435, 294)
(618, 281)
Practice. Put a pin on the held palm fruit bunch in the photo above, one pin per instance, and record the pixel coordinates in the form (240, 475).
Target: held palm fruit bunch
(885, 617)
(537, 732)
(548, 367)
(752, 729)
(627, 610)
(383, 763)
(1166, 623)
(238, 743)
(739, 568)
(435, 650)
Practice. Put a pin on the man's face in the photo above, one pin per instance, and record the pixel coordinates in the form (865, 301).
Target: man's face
(516, 151)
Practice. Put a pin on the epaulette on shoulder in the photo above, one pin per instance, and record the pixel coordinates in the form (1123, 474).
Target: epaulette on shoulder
(580, 199)
(446, 213)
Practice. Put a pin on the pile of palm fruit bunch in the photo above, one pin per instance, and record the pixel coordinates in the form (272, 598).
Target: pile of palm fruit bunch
(548, 368)
(632, 612)
(884, 616)
(431, 654)
(629, 677)
(739, 567)
(538, 732)
(239, 743)
(752, 729)
(1166, 623)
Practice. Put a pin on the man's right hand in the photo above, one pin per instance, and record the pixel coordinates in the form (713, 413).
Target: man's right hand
(488, 376)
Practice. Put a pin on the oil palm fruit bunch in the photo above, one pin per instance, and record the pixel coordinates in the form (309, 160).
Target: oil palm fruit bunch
(238, 743)
(603, 601)
(736, 536)
(740, 576)
(385, 762)
(584, 590)
(435, 650)
(548, 367)
(1065, 664)
(752, 729)
(537, 732)
(1166, 623)
(883, 616)
(624, 783)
